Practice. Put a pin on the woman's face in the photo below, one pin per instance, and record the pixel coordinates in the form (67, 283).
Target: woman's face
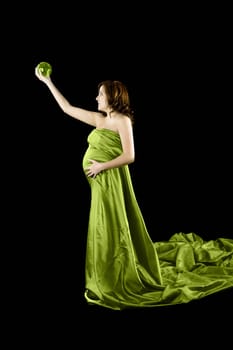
(102, 100)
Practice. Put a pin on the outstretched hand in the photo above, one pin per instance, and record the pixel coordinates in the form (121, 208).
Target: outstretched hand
(40, 76)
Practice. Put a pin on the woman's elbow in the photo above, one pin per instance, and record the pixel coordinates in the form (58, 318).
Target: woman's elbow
(128, 157)
(131, 158)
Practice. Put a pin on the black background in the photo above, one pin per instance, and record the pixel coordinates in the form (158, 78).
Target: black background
(176, 63)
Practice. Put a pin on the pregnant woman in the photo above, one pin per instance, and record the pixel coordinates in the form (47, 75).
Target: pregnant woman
(124, 267)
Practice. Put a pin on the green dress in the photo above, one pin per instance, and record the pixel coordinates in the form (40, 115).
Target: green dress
(124, 268)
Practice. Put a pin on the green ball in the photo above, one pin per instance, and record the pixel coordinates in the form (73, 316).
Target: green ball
(45, 68)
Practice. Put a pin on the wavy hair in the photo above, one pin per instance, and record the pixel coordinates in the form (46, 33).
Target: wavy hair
(118, 97)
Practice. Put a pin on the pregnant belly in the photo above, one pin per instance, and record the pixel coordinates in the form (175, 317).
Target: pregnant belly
(93, 153)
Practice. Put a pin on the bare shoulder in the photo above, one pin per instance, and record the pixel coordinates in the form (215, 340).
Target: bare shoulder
(100, 119)
(98, 116)
(123, 123)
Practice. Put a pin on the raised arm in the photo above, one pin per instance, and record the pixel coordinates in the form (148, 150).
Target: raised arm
(88, 117)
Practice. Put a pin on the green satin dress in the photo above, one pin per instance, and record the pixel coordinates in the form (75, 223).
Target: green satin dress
(124, 268)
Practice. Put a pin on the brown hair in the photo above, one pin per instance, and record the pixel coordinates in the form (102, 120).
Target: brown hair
(118, 97)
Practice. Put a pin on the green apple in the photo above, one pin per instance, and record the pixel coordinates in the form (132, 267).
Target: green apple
(45, 68)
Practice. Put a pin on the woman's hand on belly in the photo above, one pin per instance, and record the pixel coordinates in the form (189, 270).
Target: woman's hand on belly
(93, 169)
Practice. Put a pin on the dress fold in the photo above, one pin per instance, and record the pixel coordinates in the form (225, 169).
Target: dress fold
(124, 268)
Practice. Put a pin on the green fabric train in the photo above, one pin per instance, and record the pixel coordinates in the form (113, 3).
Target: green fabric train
(124, 267)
